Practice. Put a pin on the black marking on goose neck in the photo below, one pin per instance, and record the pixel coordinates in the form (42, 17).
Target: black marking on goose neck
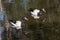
(12, 21)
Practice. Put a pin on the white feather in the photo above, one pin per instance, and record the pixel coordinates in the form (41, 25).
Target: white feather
(35, 14)
(35, 17)
(17, 25)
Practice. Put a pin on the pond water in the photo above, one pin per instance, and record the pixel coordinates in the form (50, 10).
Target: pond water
(1, 30)
(1, 16)
(24, 4)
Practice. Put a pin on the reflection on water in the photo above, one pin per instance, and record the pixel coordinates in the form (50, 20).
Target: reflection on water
(2, 33)
(24, 4)
(1, 30)
(8, 1)
(1, 16)
(14, 8)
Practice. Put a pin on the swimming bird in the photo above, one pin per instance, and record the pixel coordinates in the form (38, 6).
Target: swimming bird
(34, 13)
(16, 25)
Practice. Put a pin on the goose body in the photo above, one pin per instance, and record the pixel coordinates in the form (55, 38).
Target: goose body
(16, 25)
(35, 13)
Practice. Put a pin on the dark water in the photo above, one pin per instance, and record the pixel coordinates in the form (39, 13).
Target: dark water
(2, 34)
(24, 4)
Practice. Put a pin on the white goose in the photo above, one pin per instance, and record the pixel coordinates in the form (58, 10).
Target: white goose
(35, 13)
(17, 25)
